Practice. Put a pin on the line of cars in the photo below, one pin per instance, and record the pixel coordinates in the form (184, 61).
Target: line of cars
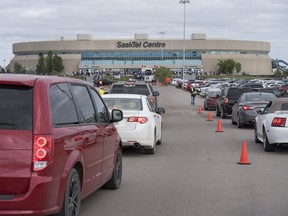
(141, 126)
(262, 104)
(267, 113)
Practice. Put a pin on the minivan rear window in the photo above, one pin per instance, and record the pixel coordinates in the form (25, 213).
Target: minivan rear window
(16, 107)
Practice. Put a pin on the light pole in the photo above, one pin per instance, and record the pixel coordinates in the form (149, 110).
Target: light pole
(184, 3)
(162, 57)
(257, 64)
(4, 66)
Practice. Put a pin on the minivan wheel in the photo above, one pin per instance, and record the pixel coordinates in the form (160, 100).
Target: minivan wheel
(72, 202)
(115, 181)
(266, 145)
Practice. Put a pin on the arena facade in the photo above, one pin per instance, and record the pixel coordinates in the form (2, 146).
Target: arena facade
(141, 51)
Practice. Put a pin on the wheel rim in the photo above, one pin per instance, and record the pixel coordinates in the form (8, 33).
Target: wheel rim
(74, 192)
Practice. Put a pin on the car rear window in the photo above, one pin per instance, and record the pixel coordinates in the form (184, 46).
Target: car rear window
(236, 92)
(130, 89)
(16, 107)
(123, 103)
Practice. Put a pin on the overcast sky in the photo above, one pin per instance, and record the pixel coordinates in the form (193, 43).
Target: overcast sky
(44, 20)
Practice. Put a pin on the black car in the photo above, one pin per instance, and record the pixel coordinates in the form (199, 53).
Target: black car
(227, 99)
(131, 87)
(102, 82)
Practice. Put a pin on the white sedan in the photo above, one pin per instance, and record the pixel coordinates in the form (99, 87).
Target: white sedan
(271, 125)
(141, 126)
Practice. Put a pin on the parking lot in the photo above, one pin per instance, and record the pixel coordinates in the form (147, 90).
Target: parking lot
(195, 171)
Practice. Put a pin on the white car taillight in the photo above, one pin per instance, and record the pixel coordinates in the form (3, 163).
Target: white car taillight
(141, 120)
(278, 122)
(42, 152)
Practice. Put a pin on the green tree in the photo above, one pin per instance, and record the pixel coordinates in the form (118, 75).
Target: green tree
(41, 67)
(278, 73)
(58, 66)
(162, 73)
(49, 62)
(227, 66)
(18, 68)
(238, 67)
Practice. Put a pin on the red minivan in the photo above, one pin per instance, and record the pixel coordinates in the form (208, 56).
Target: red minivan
(58, 144)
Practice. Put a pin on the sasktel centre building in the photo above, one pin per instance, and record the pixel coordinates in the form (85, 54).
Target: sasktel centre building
(141, 51)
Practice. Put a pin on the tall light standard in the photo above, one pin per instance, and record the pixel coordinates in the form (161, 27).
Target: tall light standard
(184, 3)
(4, 65)
(162, 57)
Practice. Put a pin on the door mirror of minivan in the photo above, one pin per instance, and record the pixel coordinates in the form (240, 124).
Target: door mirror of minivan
(156, 93)
(117, 115)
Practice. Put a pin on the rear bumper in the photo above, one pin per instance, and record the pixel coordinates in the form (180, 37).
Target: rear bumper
(277, 135)
(142, 137)
(42, 198)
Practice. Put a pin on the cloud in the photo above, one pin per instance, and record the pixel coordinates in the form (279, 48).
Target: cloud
(32, 20)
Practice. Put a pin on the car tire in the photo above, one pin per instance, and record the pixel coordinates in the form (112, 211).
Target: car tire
(266, 145)
(153, 149)
(72, 201)
(205, 107)
(239, 123)
(256, 134)
(116, 178)
(223, 115)
(217, 112)
(232, 120)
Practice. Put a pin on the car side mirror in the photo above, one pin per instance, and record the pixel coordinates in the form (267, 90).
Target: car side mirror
(156, 93)
(160, 110)
(259, 112)
(117, 115)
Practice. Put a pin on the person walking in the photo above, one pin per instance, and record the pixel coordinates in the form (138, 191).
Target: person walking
(193, 94)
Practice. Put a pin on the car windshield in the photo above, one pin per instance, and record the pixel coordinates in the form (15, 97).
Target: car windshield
(123, 103)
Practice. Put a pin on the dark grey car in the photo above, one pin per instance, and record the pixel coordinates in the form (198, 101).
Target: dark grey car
(245, 109)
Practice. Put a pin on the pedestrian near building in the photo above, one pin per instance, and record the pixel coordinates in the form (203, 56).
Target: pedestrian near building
(193, 95)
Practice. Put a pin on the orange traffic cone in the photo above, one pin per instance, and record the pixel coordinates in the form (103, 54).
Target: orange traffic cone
(219, 126)
(244, 155)
(199, 110)
(209, 116)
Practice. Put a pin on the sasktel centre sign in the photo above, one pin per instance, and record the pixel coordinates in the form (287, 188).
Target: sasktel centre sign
(145, 44)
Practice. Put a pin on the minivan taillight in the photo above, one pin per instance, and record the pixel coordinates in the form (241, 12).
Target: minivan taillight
(278, 122)
(140, 120)
(42, 152)
(226, 100)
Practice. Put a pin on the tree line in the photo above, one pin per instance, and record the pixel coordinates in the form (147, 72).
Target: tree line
(49, 65)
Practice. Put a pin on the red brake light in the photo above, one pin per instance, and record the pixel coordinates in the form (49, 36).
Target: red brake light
(226, 100)
(42, 153)
(141, 120)
(245, 108)
(278, 122)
